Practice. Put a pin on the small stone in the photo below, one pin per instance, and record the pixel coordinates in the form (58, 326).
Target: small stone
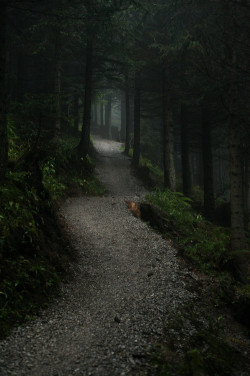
(117, 319)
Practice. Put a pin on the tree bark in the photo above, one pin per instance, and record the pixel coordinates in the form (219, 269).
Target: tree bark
(123, 117)
(238, 240)
(101, 116)
(3, 118)
(209, 204)
(247, 187)
(95, 115)
(108, 117)
(137, 123)
(248, 196)
(58, 48)
(168, 140)
(83, 147)
(58, 83)
(127, 125)
(76, 112)
(187, 172)
(20, 76)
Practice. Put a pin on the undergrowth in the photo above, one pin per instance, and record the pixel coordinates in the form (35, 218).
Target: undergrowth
(197, 346)
(92, 186)
(206, 244)
(150, 173)
(34, 253)
(27, 273)
(145, 162)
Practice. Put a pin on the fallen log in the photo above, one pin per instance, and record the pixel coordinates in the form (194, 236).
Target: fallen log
(155, 216)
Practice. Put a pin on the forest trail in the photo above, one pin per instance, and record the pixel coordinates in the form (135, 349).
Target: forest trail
(126, 281)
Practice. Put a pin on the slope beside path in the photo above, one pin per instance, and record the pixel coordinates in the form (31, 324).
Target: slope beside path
(126, 281)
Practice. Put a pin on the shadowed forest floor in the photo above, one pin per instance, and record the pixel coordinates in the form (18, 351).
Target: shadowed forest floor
(128, 284)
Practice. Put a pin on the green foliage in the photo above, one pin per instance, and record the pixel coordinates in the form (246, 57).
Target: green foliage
(50, 180)
(15, 143)
(30, 268)
(198, 194)
(65, 145)
(91, 186)
(204, 350)
(32, 119)
(244, 290)
(206, 244)
(26, 276)
(154, 169)
(18, 207)
(176, 206)
(59, 174)
(24, 288)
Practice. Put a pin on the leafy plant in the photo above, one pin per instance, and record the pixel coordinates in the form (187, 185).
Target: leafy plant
(204, 349)
(24, 289)
(92, 186)
(50, 180)
(206, 244)
(18, 206)
(31, 264)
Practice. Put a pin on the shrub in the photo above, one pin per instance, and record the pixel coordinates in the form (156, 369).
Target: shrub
(50, 179)
(206, 244)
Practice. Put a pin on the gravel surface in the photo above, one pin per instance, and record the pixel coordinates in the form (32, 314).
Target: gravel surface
(126, 282)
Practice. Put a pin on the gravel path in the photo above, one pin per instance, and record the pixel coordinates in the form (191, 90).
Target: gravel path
(127, 280)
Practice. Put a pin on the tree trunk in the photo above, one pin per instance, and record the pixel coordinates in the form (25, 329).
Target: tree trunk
(127, 116)
(187, 173)
(20, 76)
(168, 141)
(83, 147)
(76, 112)
(58, 83)
(108, 117)
(238, 240)
(247, 188)
(248, 196)
(95, 116)
(101, 116)
(123, 117)
(209, 204)
(3, 118)
(137, 123)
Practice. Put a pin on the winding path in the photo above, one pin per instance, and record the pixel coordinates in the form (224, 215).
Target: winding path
(126, 282)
